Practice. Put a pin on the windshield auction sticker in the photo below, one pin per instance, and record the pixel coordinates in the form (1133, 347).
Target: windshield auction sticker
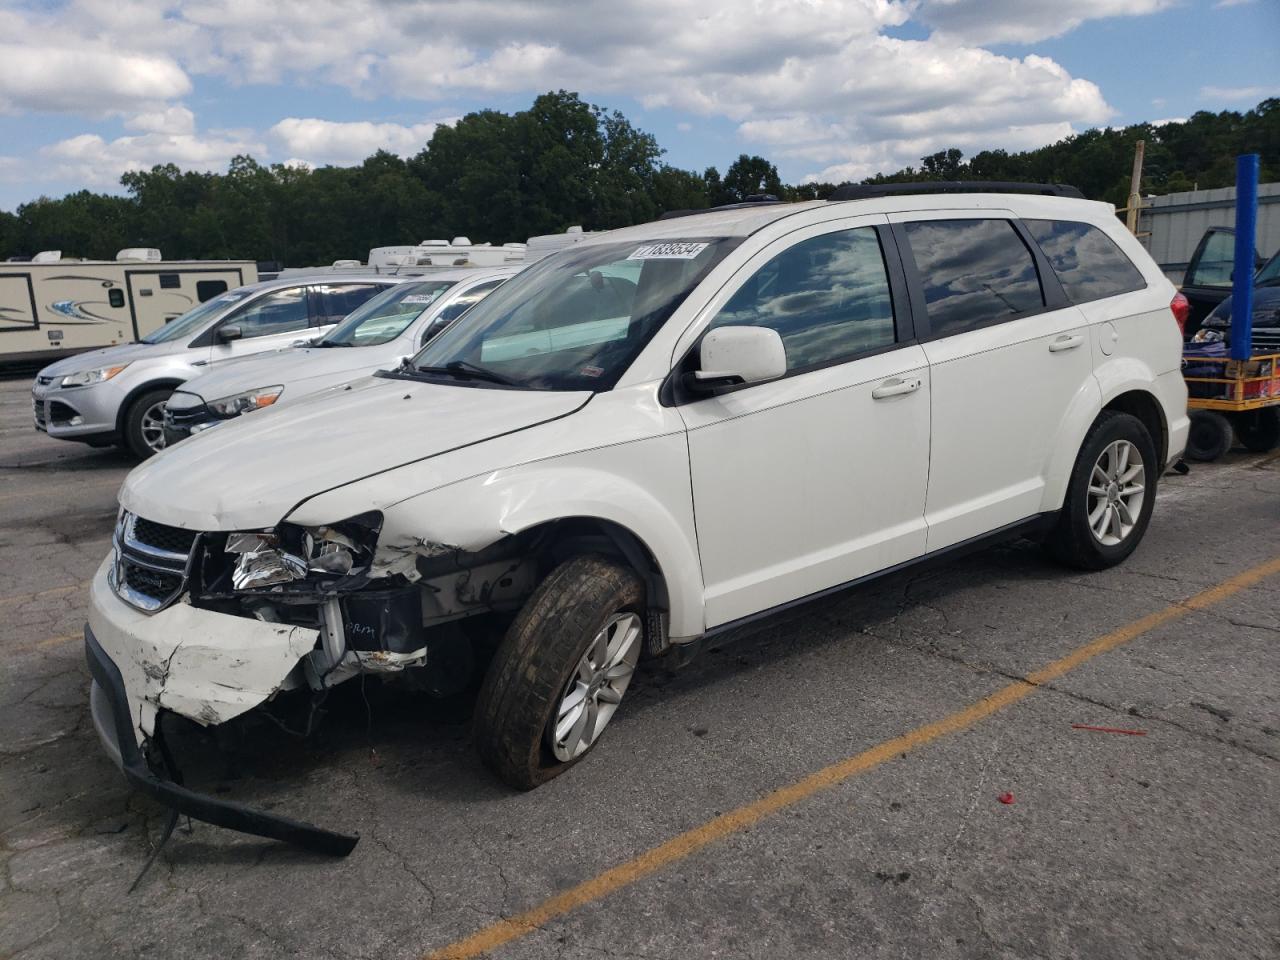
(668, 251)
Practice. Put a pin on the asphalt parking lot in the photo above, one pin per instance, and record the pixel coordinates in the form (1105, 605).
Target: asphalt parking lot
(829, 786)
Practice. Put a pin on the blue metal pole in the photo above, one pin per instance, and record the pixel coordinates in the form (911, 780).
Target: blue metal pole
(1242, 273)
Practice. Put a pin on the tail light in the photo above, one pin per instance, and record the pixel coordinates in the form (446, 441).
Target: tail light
(1180, 306)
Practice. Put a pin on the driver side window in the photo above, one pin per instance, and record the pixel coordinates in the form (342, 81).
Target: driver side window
(281, 311)
(827, 297)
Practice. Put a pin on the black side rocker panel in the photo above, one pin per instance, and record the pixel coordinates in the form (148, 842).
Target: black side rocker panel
(222, 813)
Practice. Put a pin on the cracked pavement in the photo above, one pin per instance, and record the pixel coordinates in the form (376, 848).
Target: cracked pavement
(1162, 845)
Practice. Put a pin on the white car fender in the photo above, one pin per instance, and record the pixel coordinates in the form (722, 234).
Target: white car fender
(634, 485)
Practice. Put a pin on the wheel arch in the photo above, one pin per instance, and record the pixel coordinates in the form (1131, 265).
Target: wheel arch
(165, 383)
(1127, 386)
(558, 511)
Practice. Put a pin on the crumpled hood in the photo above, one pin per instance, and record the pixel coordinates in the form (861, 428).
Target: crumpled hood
(249, 473)
(292, 367)
(107, 356)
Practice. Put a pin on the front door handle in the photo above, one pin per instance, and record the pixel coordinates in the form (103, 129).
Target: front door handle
(895, 388)
(1066, 343)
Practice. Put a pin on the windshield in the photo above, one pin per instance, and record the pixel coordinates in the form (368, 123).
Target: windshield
(1269, 275)
(574, 321)
(190, 322)
(385, 316)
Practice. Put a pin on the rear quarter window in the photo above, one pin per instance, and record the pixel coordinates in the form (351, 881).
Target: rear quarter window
(1088, 263)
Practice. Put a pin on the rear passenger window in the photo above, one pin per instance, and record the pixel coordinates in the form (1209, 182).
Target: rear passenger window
(208, 289)
(828, 298)
(974, 272)
(1088, 263)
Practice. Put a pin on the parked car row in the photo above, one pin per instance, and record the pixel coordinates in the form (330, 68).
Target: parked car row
(641, 441)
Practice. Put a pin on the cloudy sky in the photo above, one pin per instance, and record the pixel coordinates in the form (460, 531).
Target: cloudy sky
(828, 89)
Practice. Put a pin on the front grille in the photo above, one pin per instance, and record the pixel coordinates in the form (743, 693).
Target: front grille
(187, 416)
(169, 539)
(152, 583)
(152, 562)
(1266, 340)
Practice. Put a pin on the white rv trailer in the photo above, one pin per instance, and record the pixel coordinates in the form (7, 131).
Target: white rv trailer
(54, 306)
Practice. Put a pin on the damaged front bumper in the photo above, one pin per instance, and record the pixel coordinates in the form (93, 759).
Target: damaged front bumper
(131, 657)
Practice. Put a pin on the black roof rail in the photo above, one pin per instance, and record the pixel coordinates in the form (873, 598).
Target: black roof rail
(867, 191)
(755, 200)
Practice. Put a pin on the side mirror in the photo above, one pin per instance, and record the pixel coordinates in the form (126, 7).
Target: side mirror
(231, 331)
(731, 356)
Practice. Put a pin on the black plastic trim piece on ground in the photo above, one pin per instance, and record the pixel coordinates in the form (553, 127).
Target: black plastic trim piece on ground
(221, 813)
(868, 191)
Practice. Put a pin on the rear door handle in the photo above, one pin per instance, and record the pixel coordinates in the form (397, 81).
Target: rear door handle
(895, 388)
(1066, 343)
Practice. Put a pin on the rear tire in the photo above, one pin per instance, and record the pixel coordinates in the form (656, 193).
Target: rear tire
(1209, 437)
(1110, 495)
(538, 666)
(1258, 430)
(143, 432)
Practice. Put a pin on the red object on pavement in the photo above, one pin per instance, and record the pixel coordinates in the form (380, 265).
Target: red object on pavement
(1131, 733)
(1005, 798)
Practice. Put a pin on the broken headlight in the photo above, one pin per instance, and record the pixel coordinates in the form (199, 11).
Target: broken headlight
(288, 553)
(1207, 335)
(239, 403)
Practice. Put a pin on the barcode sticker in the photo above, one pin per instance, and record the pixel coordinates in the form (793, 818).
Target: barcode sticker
(668, 251)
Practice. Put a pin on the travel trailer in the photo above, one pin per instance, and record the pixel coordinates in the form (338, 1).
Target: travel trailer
(53, 306)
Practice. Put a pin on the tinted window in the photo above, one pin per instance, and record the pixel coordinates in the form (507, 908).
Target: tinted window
(1088, 262)
(336, 300)
(974, 273)
(1213, 268)
(281, 311)
(208, 289)
(170, 281)
(115, 298)
(828, 298)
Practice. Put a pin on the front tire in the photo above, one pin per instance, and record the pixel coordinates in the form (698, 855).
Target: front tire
(1110, 494)
(143, 432)
(560, 672)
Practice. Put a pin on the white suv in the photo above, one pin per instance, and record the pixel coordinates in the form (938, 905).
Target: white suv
(639, 442)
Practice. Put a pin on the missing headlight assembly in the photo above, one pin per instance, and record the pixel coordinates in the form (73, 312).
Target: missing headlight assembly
(242, 617)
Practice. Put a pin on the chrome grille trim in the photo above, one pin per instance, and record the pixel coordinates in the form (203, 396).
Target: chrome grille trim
(133, 554)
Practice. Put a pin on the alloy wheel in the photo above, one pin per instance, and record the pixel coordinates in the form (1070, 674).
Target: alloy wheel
(1116, 491)
(596, 687)
(152, 427)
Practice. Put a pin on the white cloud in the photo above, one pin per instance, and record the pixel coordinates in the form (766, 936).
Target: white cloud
(1235, 94)
(89, 159)
(176, 120)
(87, 81)
(329, 141)
(1230, 3)
(817, 81)
(1024, 21)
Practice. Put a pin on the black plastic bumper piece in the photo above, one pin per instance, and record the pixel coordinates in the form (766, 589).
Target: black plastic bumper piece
(221, 813)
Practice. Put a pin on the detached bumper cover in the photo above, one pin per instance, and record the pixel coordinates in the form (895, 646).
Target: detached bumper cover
(111, 717)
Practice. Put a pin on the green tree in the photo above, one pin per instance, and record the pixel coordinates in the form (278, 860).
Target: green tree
(749, 176)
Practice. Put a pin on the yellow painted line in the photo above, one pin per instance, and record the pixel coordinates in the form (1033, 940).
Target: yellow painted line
(45, 644)
(51, 592)
(685, 844)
